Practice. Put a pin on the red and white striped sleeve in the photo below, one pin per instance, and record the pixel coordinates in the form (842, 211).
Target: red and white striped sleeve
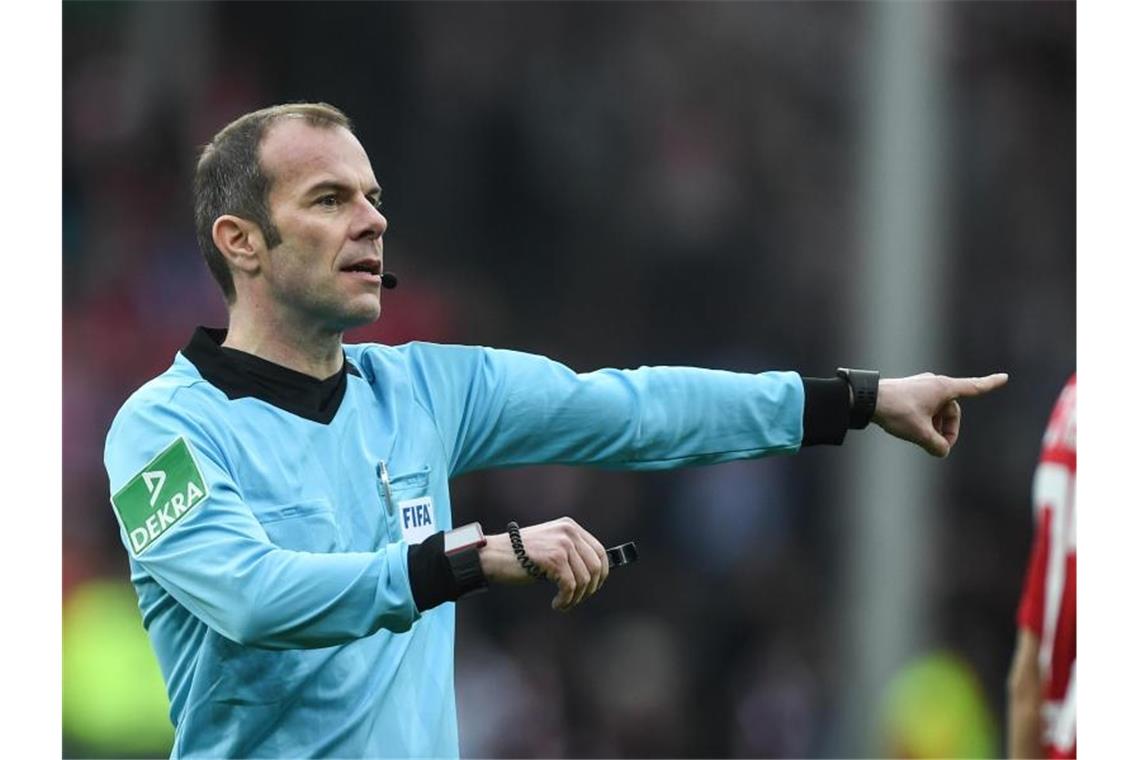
(1049, 598)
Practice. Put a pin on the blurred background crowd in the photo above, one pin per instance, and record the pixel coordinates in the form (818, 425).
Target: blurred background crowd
(609, 184)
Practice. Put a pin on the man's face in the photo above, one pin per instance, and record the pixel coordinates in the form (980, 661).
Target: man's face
(324, 201)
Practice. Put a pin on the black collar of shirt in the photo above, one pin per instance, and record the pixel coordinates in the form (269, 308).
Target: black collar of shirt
(242, 375)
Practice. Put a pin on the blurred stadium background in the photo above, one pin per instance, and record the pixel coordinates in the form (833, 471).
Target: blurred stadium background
(747, 186)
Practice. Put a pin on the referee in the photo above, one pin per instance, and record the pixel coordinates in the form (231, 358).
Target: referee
(283, 497)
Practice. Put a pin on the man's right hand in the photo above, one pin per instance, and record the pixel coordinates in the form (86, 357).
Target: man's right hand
(571, 558)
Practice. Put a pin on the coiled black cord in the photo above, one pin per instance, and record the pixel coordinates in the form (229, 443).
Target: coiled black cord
(533, 570)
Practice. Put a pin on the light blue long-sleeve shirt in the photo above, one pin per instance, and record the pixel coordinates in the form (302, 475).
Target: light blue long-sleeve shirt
(275, 592)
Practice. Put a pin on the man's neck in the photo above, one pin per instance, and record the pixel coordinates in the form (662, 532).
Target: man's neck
(315, 352)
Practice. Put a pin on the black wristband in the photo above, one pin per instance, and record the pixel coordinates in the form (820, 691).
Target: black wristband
(864, 384)
(430, 575)
(437, 577)
(533, 570)
(827, 410)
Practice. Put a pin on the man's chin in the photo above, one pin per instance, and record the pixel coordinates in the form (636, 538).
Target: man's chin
(358, 315)
(360, 319)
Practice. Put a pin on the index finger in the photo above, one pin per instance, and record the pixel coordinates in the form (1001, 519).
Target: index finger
(976, 386)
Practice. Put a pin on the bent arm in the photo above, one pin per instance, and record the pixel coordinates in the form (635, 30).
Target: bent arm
(257, 594)
(217, 561)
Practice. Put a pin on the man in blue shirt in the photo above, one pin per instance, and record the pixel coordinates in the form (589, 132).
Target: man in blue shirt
(283, 497)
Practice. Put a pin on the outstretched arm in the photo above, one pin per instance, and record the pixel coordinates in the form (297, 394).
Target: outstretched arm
(497, 408)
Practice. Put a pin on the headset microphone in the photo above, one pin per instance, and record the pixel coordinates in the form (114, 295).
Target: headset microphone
(388, 281)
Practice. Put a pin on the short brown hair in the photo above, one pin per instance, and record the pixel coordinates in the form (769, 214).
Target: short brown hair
(229, 178)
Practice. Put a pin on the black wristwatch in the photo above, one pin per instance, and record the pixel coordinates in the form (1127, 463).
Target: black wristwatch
(864, 384)
(461, 546)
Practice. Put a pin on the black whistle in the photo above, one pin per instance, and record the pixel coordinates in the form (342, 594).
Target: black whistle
(623, 554)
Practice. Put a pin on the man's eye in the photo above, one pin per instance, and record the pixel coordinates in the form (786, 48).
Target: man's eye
(328, 201)
(376, 202)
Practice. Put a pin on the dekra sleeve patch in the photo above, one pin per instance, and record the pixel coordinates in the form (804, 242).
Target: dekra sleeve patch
(159, 495)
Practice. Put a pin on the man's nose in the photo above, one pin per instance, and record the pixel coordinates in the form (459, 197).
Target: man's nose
(372, 223)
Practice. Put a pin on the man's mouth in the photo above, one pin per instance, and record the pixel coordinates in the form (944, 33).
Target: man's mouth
(368, 267)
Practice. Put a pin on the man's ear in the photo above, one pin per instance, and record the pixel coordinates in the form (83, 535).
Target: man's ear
(240, 241)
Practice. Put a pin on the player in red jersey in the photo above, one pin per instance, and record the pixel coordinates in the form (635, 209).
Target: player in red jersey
(1042, 716)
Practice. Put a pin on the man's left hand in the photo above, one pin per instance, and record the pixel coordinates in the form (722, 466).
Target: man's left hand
(924, 409)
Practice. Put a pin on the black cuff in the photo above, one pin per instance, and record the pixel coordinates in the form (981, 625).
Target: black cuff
(827, 411)
(429, 573)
